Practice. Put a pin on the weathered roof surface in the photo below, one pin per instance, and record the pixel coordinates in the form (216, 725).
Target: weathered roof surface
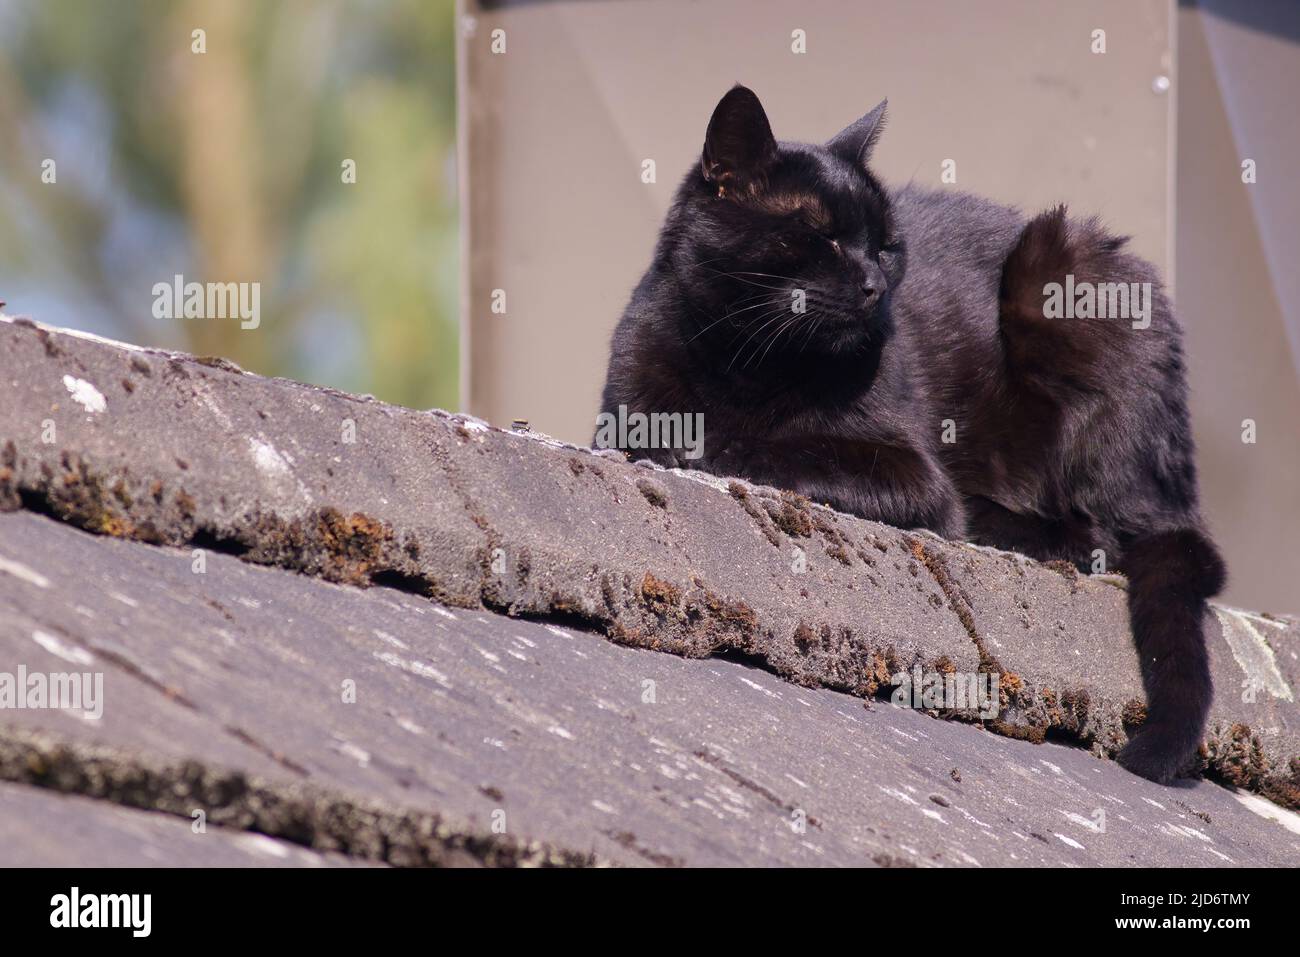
(635, 756)
(241, 669)
(40, 829)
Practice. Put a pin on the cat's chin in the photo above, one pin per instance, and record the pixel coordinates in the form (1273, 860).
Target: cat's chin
(851, 334)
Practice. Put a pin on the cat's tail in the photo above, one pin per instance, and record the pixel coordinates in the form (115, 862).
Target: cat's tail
(1171, 574)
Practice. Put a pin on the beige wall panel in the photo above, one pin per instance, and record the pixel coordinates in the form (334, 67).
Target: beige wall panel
(1241, 359)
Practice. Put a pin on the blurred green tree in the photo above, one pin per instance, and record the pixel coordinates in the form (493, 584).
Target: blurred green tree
(227, 165)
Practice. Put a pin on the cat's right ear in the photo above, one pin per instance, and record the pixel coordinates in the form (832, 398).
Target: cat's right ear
(739, 146)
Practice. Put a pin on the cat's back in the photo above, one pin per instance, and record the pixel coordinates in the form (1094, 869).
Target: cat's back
(957, 243)
(946, 307)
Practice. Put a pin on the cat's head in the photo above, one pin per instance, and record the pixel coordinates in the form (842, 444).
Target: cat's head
(784, 247)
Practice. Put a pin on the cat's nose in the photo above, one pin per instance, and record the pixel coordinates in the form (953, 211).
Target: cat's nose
(873, 282)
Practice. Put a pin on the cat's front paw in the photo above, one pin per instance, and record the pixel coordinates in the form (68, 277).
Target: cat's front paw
(663, 457)
(737, 458)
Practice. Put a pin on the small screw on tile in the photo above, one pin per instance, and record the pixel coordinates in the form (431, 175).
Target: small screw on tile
(519, 425)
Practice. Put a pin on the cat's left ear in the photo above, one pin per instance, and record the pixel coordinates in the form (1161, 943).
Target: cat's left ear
(856, 141)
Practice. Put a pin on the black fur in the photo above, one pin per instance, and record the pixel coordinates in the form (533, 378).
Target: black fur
(925, 316)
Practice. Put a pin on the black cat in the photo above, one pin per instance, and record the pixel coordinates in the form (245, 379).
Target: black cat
(894, 354)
